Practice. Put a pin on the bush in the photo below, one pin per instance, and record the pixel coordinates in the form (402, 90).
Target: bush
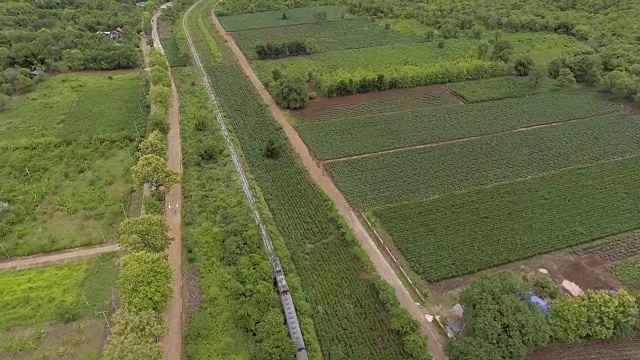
(502, 51)
(621, 84)
(276, 74)
(471, 348)
(134, 336)
(208, 152)
(153, 205)
(144, 233)
(154, 144)
(290, 93)
(67, 313)
(348, 82)
(160, 76)
(276, 50)
(144, 282)
(477, 31)
(272, 149)
(523, 65)
(566, 78)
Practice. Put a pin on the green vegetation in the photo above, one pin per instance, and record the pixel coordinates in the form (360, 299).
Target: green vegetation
(502, 88)
(56, 292)
(495, 225)
(221, 239)
(424, 173)
(201, 30)
(270, 19)
(333, 139)
(74, 106)
(397, 101)
(337, 35)
(628, 272)
(502, 323)
(325, 257)
(61, 35)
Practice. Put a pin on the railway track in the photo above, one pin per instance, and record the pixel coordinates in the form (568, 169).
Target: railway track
(283, 289)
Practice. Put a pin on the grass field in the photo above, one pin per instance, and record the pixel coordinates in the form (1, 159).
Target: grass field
(350, 320)
(76, 105)
(536, 45)
(270, 19)
(367, 134)
(627, 272)
(500, 88)
(51, 293)
(387, 102)
(424, 173)
(465, 232)
(336, 35)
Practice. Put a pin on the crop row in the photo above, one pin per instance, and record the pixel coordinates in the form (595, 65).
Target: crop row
(270, 19)
(501, 88)
(457, 234)
(615, 248)
(349, 318)
(361, 135)
(434, 171)
(336, 35)
(392, 101)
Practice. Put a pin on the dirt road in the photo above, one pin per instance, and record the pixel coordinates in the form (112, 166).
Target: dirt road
(55, 258)
(325, 183)
(172, 342)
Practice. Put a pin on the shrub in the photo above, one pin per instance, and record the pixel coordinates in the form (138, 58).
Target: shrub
(208, 152)
(290, 93)
(621, 84)
(566, 78)
(160, 76)
(441, 44)
(502, 51)
(477, 31)
(272, 149)
(276, 74)
(68, 313)
(154, 144)
(134, 336)
(144, 233)
(153, 205)
(471, 348)
(523, 65)
(276, 50)
(144, 282)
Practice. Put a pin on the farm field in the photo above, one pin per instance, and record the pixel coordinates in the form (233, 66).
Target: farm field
(345, 304)
(71, 106)
(364, 104)
(500, 88)
(521, 219)
(333, 36)
(65, 159)
(373, 133)
(270, 19)
(540, 46)
(55, 310)
(390, 178)
(626, 348)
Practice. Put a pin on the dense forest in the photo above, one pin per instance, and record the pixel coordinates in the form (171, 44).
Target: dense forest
(60, 35)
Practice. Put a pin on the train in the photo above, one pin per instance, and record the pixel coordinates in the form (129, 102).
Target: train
(289, 309)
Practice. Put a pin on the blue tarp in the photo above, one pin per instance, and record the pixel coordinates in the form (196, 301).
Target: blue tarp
(543, 304)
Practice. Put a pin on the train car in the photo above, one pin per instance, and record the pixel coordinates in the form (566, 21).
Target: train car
(293, 326)
(281, 281)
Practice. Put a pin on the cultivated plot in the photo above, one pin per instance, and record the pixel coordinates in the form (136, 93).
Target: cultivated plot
(417, 174)
(460, 233)
(77, 105)
(336, 35)
(286, 17)
(368, 134)
(501, 88)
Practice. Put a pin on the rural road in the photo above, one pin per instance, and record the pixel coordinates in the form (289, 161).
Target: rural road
(172, 342)
(325, 183)
(55, 258)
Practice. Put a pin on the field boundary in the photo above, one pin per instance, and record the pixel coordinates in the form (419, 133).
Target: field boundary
(393, 258)
(470, 138)
(56, 258)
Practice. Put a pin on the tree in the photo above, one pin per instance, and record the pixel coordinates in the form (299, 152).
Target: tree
(555, 66)
(154, 144)
(134, 335)
(477, 31)
(499, 313)
(290, 93)
(272, 150)
(160, 76)
(621, 84)
(472, 348)
(25, 84)
(144, 233)
(536, 77)
(637, 99)
(153, 170)
(274, 342)
(159, 96)
(523, 65)
(566, 78)
(502, 51)
(483, 50)
(587, 69)
(144, 282)
(276, 74)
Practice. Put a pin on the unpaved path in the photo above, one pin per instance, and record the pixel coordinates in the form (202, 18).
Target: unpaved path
(324, 182)
(172, 342)
(55, 258)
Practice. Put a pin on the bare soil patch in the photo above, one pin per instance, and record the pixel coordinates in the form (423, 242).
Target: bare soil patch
(277, 33)
(411, 99)
(616, 349)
